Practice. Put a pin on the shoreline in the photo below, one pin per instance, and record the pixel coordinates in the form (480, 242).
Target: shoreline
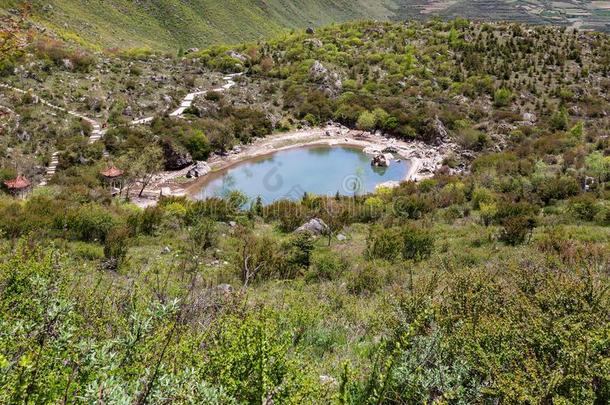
(424, 159)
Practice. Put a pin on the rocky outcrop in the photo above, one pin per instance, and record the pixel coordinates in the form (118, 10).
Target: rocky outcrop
(199, 169)
(330, 82)
(315, 227)
(175, 158)
(435, 131)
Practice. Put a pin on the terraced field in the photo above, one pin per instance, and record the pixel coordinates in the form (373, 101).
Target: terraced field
(594, 15)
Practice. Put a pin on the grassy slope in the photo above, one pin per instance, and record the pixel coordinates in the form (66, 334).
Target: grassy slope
(169, 23)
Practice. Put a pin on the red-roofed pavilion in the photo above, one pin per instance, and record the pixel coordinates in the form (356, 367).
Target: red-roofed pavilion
(18, 186)
(113, 176)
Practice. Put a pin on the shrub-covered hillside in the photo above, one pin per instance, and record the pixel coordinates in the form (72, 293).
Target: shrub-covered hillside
(486, 283)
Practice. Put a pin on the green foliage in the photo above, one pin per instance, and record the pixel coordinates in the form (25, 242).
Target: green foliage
(249, 358)
(366, 121)
(383, 243)
(115, 247)
(417, 244)
(517, 229)
(560, 120)
(502, 97)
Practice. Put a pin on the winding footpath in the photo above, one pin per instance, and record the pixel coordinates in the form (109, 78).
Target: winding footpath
(97, 132)
(187, 101)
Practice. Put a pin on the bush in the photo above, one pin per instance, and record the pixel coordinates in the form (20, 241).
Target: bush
(90, 223)
(115, 247)
(412, 207)
(203, 235)
(515, 230)
(365, 280)
(366, 121)
(557, 188)
(502, 97)
(291, 215)
(327, 267)
(583, 207)
(417, 244)
(383, 243)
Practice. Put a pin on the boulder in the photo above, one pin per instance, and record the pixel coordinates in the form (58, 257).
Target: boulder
(382, 160)
(388, 184)
(310, 31)
(68, 64)
(313, 43)
(238, 56)
(199, 169)
(225, 289)
(315, 227)
(318, 71)
(330, 82)
(529, 117)
(175, 158)
(371, 150)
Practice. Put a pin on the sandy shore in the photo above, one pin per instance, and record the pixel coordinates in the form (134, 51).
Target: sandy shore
(424, 159)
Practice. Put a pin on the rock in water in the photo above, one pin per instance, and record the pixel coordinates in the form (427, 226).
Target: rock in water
(315, 227)
(382, 160)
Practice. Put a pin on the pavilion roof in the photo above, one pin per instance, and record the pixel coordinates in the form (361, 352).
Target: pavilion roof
(112, 172)
(18, 183)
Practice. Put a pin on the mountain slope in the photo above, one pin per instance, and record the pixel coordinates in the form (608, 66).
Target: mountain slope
(167, 24)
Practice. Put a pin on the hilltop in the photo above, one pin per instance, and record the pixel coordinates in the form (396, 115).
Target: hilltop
(173, 24)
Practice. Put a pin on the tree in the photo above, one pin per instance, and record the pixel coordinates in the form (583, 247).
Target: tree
(560, 120)
(598, 165)
(141, 166)
(335, 216)
(366, 121)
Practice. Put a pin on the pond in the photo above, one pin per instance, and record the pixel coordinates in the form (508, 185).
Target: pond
(288, 174)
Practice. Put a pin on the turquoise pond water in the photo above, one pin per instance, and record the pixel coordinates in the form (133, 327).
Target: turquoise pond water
(288, 174)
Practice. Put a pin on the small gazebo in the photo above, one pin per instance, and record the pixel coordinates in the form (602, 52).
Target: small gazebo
(18, 186)
(113, 177)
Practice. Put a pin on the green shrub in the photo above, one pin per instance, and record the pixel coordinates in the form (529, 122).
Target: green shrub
(412, 207)
(383, 243)
(115, 247)
(417, 244)
(584, 207)
(502, 97)
(327, 267)
(89, 222)
(365, 280)
(249, 357)
(557, 188)
(516, 230)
